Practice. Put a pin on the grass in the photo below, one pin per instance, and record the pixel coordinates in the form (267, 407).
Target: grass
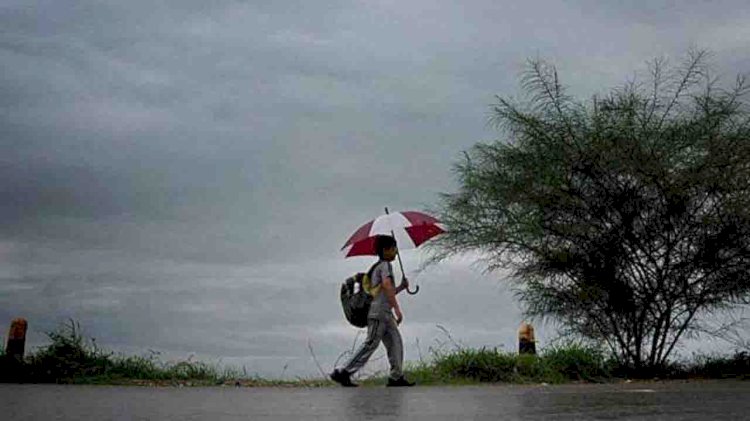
(71, 358)
(572, 362)
(475, 366)
(736, 366)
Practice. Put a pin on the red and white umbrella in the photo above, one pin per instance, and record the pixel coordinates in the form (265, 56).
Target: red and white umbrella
(409, 228)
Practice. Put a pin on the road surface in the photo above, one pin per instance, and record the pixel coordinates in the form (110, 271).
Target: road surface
(727, 399)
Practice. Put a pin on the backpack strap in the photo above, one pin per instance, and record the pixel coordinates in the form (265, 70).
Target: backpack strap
(366, 281)
(372, 268)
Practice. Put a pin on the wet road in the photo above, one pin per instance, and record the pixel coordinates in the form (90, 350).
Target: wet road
(669, 400)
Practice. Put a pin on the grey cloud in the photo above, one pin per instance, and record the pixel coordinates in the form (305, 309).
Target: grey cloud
(154, 156)
(244, 313)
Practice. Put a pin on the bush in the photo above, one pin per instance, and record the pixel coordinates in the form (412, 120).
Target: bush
(68, 356)
(578, 362)
(482, 365)
(71, 358)
(721, 367)
(536, 369)
(554, 365)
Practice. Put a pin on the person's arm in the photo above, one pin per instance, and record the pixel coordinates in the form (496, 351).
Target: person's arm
(390, 293)
(404, 282)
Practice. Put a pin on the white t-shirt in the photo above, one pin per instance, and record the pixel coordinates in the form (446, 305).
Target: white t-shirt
(380, 305)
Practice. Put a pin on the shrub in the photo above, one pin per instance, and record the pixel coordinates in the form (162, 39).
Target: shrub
(482, 365)
(578, 362)
(722, 367)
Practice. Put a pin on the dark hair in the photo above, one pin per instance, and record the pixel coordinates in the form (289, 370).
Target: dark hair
(383, 242)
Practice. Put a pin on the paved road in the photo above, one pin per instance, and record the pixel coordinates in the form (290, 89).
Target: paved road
(670, 400)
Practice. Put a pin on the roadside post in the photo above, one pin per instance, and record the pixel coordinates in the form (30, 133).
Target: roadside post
(526, 340)
(16, 344)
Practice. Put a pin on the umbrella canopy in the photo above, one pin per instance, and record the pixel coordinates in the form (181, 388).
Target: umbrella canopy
(410, 229)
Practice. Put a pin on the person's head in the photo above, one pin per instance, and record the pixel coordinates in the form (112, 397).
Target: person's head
(385, 245)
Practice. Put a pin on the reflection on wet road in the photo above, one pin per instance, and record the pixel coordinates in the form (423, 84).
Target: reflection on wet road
(669, 400)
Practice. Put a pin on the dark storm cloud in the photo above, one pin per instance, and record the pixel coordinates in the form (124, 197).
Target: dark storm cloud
(179, 115)
(181, 174)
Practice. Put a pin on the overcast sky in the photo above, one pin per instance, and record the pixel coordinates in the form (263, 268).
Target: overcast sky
(180, 175)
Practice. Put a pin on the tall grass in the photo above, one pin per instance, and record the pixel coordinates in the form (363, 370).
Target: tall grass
(571, 362)
(555, 365)
(575, 361)
(736, 366)
(72, 358)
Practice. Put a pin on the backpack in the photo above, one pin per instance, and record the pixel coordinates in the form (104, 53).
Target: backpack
(356, 296)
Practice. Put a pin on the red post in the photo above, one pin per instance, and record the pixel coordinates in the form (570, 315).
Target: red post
(16, 339)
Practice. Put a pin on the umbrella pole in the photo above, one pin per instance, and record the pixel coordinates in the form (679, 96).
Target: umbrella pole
(400, 264)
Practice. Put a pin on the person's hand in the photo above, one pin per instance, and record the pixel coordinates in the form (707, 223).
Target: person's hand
(399, 316)
(404, 283)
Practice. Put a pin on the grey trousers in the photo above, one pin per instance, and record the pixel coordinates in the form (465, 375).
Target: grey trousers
(380, 329)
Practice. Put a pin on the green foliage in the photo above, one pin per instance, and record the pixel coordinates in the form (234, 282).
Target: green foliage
(578, 362)
(482, 365)
(624, 217)
(560, 364)
(554, 365)
(721, 367)
(66, 357)
(425, 374)
(71, 358)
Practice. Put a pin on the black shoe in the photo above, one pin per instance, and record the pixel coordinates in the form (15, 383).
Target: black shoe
(399, 382)
(343, 378)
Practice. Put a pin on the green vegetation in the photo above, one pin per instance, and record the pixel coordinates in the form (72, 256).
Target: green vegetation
(71, 358)
(553, 365)
(718, 367)
(623, 217)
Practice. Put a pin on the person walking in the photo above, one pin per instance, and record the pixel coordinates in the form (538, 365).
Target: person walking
(382, 324)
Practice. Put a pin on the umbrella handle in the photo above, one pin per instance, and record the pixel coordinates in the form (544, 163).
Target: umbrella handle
(401, 264)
